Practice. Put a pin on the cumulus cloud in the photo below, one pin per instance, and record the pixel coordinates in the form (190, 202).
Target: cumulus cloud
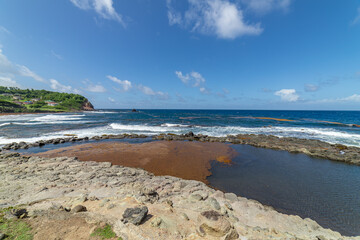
(264, 6)
(194, 79)
(8, 82)
(214, 17)
(357, 18)
(55, 85)
(287, 95)
(90, 87)
(11, 70)
(125, 84)
(148, 91)
(352, 98)
(104, 8)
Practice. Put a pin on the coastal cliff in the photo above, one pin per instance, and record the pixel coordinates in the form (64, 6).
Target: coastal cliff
(68, 199)
(16, 100)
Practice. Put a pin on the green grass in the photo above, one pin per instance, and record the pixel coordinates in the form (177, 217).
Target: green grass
(105, 233)
(14, 229)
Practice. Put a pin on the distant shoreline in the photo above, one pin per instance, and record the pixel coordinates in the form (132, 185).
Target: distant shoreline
(27, 113)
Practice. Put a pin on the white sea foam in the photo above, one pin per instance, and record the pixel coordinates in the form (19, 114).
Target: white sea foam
(101, 112)
(54, 118)
(143, 128)
(174, 125)
(4, 124)
(330, 135)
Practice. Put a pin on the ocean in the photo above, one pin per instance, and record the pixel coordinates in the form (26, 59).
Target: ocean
(341, 127)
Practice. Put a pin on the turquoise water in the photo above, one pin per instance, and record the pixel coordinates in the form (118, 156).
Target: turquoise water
(304, 124)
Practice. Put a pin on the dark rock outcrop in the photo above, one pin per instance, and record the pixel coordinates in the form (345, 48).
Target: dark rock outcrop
(87, 106)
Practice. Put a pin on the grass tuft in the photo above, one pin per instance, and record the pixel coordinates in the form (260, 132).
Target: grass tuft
(105, 233)
(14, 229)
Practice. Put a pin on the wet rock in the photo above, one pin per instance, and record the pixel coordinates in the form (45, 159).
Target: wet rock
(78, 208)
(135, 215)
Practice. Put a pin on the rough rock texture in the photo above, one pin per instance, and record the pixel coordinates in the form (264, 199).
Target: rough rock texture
(87, 106)
(43, 184)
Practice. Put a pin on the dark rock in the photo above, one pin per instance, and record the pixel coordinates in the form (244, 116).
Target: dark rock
(135, 215)
(2, 236)
(134, 110)
(78, 208)
(189, 134)
(211, 215)
(19, 213)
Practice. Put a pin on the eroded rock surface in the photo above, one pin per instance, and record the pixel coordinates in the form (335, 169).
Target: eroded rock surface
(43, 185)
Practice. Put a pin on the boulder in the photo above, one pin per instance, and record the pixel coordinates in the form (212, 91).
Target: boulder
(135, 215)
(212, 223)
(78, 208)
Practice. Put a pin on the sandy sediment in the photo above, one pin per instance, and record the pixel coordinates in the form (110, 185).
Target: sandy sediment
(177, 209)
(187, 160)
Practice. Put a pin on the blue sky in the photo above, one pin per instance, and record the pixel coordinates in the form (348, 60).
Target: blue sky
(197, 54)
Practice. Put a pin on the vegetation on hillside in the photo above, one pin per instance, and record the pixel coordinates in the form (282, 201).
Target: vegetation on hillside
(30, 100)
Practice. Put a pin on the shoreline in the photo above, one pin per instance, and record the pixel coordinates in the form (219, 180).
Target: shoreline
(312, 148)
(177, 208)
(27, 113)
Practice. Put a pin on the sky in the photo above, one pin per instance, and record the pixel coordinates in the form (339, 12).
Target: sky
(186, 54)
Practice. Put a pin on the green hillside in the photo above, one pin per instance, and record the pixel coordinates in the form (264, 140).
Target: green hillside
(16, 100)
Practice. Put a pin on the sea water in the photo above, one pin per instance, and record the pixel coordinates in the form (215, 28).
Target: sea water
(330, 126)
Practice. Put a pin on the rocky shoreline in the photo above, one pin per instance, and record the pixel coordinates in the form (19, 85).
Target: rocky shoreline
(137, 204)
(313, 148)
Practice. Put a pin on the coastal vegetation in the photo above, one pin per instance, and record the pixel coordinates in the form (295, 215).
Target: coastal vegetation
(16, 100)
(14, 228)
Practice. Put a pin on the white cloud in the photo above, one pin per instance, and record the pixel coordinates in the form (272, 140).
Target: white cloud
(125, 84)
(357, 18)
(148, 91)
(111, 99)
(90, 87)
(11, 70)
(352, 98)
(194, 79)
(311, 87)
(8, 82)
(104, 8)
(56, 55)
(287, 95)
(173, 16)
(264, 6)
(55, 85)
(4, 30)
(214, 17)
